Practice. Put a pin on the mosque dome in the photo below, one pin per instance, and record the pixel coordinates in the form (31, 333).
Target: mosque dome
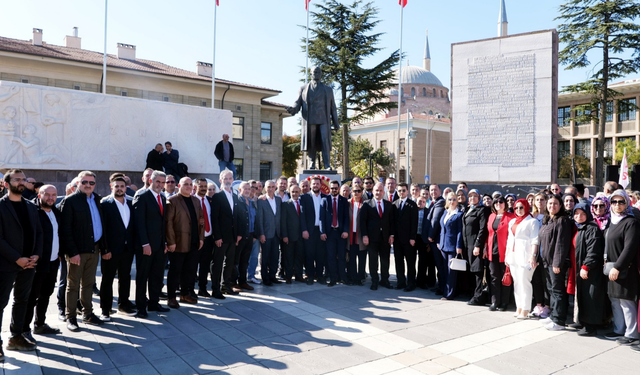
(417, 75)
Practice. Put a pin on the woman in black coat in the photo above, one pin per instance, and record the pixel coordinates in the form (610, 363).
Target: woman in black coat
(622, 241)
(474, 236)
(590, 282)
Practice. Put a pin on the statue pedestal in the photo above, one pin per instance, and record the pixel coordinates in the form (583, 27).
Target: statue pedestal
(326, 176)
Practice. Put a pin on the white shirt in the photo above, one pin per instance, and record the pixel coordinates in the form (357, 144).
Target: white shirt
(155, 196)
(208, 206)
(317, 201)
(125, 213)
(169, 195)
(55, 244)
(402, 202)
(356, 208)
(272, 203)
(284, 197)
(229, 196)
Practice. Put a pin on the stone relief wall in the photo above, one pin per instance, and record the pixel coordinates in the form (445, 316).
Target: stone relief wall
(58, 129)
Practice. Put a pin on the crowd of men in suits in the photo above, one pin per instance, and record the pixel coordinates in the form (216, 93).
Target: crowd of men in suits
(302, 234)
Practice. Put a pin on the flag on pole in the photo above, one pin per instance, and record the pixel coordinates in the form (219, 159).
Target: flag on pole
(624, 171)
(403, 3)
(218, 2)
(306, 4)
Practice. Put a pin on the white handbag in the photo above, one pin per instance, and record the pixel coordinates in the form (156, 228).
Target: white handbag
(458, 264)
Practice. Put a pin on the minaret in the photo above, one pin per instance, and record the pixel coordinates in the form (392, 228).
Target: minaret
(502, 20)
(426, 63)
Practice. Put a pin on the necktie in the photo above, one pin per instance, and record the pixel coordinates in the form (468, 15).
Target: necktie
(207, 227)
(298, 207)
(379, 210)
(334, 223)
(160, 204)
(401, 205)
(390, 197)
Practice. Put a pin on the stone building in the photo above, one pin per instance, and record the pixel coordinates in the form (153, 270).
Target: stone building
(257, 123)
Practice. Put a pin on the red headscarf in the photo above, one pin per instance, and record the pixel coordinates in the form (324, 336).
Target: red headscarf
(527, 210)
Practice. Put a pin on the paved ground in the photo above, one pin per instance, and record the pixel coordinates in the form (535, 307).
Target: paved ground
(300, 329)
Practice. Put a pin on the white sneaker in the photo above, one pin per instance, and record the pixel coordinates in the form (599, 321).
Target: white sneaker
(105, 317)
(253, 280)
(545, 321)
(554, 327)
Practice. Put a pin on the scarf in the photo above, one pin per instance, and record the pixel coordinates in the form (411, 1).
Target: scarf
(616, 218)
(603, 220)
(519, 219)
(585, 208)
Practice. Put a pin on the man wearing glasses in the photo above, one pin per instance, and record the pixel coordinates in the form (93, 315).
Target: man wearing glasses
(81, 235)
(334, 229)
(170, 187)
(29, 189)
(368, 188)
(555, 189)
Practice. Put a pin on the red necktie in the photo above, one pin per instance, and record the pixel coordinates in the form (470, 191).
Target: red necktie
(334, 223)
(390, 197)
(160, 204)
(298, 207)
(207, 227)
(379, 210)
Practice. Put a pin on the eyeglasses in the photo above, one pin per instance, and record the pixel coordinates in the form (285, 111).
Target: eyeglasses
(368, 182)
(88, 182)
(334, 188)
(356, 191)
(599, 206)
(23, 180)
(498, 202)
(615, 201)
(170, 182)
(519, 208)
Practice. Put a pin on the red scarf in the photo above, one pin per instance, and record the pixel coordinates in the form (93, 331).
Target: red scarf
(527, 210)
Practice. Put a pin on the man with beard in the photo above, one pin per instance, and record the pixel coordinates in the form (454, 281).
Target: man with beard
(20, 249)
(44, 280)
(204, 255)
(315, 252)
(146, 178)
(334, 231)
(118, 255)
(224, 236)
(269, 217)
(377, 223)
(293, 249)
(368, 188)
(246, 218)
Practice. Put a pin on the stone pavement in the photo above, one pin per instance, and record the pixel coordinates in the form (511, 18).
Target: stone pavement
(300, 329)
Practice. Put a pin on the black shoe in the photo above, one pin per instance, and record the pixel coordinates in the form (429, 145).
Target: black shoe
(613, 336)
(27, 336)
(474, 302)
(159, 308)
(322, 280)
(374, 287)
(357, 283)
(126, 310)
(163, 295)
(204, 293)
(385, 284)
(132, 305)
(493, 307)
(45, 330)
(439, 292)
(401, 286)
(72, 325)
(229, 292)
(276, 281)
(218, 295)
(142, 314)
(635, 347)
(309, 281)
(587, 332)
(410, 288)
(21, 344)
(331, 283)
(576, 326)
(626, 340)
(502, 308)
(266, 283)
(93, 320)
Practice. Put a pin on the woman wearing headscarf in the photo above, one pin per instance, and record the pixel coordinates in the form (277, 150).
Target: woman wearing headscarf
(450, 244)
(555, 246)
(521, 255)
(569, 201)
(498, 233)
(540, 290)
(590, 283)
(474, 236)
(463, 202)
(601, 211)
(622, 240)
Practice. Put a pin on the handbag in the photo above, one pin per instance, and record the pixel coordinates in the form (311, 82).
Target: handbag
(458, 264)
(507, 280)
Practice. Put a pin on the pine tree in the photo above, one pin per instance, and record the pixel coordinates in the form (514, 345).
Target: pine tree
(341, 39)
(603, 28)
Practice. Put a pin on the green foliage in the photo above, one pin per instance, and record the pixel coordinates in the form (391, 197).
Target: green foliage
(633, 154)
(359, 151)
(290, 154)
(565, 167)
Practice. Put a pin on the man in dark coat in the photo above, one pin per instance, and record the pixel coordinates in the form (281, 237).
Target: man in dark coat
(225, 236)
(291, 227)
(171, 159)
(406, 214)
(334, 230)
(224, 153)
(474, 237)
(377, 223)
(315, 250)
(434, 214)
(155, 160)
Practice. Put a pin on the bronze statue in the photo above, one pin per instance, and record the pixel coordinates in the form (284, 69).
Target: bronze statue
(319, 116)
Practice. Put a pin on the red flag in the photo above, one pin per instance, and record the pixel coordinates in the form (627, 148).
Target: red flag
(218, 2)
(403, 3)
(306, 4)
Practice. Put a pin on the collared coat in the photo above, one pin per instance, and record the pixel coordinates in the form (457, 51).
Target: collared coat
(178, 221)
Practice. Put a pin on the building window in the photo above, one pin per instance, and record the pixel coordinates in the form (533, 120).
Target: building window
(165, 98)
(238, 127)
(583, 148)
(203, 103)
(77, 87)
(626, 109)
(123, 93)
(265, 133)
(265, 170)
(24, 80)
(441, 94)
(403, 176)
(608, 149)
(622, 139)
(238, 163)
(413, 91)
(424, 92)
(564, 116)
(564, 149)
(403, 146)
(434, 93)
(584, 113)
(383, 145)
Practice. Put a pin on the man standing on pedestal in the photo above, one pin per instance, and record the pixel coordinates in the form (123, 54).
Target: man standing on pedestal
(319, 115)
(224, 153)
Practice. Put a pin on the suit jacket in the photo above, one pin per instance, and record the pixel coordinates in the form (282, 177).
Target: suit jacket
(47, 238)
(436, 211)
(219, 151)
(268, 223)
(119, 238)
(155, 160)
(11, 235)
(451, 233)
(474, 234)
(309, 212)
(395, 196)
(406, 221)
(291, 223)
(426, 225)
(371, 222)
(224, 219)
(326, 214)
(178, 221)
(242, 219)
(76, 229)
(361, 246)
(149, 221)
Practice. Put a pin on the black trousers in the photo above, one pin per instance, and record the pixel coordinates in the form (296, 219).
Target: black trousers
(357, 263)
(381, 251)
(315, 253)
(426, 276)
(336, 255)
(20, 282)
(182, 273)
(41, 290)
(540, 286)
(149, 273)
(477, 291)
(405, 252)
(204, 262)
(500, 294)
(269, 261)
(241, 264)
(293, 252)
(558, 295)
(120, 264)
(62, 288)
(224, 258)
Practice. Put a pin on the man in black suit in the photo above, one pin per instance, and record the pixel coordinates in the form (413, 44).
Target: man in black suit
(246, 229)
(81, 234)
(315, 251)
(436, 210)
(155, 160)
(368, 188)
(47, 269)
(334, 230)
(426, 275)
(117, 257)
(391, 194)
(291, 228)
(20, 248)
(406, 215)
(225, 236)
(205, 253)
(150, 242)
(269, 223)
(378, 229)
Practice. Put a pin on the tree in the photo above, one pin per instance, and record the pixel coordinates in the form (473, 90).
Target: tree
(341, 39)
(290, 154)
(582, 165)
(603, 28)
(361, 149)
(633, 154)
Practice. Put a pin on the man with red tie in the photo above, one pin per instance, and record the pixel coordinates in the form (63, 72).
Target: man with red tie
(391, 194)
(291, 227)
(377, 227)
(246, 229)
(204, 261)
(334, 229)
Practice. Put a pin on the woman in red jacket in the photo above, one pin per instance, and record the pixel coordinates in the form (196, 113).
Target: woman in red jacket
(498, 227)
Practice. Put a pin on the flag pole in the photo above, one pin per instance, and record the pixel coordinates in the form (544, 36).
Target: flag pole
(213, 65)
(306, 67)
(399, 93)
(104, 58)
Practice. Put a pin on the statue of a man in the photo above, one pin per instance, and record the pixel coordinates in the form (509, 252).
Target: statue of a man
(319, 115)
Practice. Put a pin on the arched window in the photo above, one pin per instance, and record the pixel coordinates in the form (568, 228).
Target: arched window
(424, 92)
(431, 113)
(434, 93)
(413, 91)
(441, 94)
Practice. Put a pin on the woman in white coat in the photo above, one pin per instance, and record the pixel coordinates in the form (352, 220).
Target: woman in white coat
(521, 255)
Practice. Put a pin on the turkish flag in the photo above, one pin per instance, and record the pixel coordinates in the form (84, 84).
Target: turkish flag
(306, 4)
(218, 2)
(403, 3)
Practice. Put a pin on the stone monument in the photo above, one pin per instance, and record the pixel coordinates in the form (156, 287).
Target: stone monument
(504, 109)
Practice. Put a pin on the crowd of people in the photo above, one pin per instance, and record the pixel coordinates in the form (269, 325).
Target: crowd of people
(495, 248)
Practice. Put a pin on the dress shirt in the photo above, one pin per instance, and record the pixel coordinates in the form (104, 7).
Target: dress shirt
(379, 203)
(208, 206)
(95, 218)
(155, 197)
(169, 195)
(402, 202)
(317, 201)
(125, 213)
(420, 219)
(229, 196)
(252, 213)
(55, 244)
(354, 222)
(284, 197)
(272, 203)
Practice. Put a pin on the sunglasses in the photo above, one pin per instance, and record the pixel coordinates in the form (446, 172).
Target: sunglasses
(334, 188)
(356, 191)
(498, 202)
(88, 182)
(618, 201)
(519, 208)
(599, 206)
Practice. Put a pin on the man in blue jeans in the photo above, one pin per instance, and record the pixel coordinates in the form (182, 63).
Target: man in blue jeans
(224, 153)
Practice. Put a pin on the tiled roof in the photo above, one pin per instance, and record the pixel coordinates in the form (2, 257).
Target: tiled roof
(266, 102)
(403, 117)
(96, 58)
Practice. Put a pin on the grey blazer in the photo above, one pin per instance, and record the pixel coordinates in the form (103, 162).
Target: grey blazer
(269, 224)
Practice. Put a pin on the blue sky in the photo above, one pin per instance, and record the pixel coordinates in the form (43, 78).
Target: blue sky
(259, 41)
